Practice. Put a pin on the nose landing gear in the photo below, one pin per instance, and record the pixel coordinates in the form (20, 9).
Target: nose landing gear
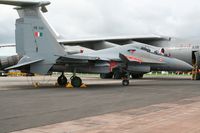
(125, 78)
(125, 82)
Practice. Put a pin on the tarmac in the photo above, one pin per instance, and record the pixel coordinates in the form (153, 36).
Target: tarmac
(153, 105)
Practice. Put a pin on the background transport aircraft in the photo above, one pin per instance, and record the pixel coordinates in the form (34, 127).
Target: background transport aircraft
(42, 52)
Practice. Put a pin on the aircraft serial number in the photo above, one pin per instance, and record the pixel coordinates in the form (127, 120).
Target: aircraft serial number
(38, 28)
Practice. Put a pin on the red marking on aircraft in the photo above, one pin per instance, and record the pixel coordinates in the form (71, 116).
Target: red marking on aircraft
(113, 64)
(132, 58)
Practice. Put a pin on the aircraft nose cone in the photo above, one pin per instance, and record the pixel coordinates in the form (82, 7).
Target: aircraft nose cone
(189, 67)
(184, 66)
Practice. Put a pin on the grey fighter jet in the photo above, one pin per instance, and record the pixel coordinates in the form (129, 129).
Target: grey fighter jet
(42, 53)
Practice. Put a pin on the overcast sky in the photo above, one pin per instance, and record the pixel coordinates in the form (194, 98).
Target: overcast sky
(99, 18)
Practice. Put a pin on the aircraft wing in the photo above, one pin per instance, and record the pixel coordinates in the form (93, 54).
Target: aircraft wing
(79, 57)
(126, 53)
(117, 40)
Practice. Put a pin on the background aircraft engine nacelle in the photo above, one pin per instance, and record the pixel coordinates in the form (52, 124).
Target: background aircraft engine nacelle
(9, 61)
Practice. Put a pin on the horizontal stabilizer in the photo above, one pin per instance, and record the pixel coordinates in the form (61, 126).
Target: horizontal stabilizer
(24, 63)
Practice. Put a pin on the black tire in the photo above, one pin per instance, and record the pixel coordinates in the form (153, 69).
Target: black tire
(62, 80)
(117, 75)
(76, 82)
(106, 75)
(125, 82)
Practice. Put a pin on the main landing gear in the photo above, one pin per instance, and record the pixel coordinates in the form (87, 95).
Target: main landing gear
(75, 80)
(62, 80)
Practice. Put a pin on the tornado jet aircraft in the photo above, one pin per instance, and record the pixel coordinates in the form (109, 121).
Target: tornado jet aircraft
(42, 52)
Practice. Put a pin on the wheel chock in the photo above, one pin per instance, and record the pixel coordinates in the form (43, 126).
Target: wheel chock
(69, 85)
(83, 86)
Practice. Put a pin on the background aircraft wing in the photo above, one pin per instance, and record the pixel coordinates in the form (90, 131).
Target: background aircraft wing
(117, 40)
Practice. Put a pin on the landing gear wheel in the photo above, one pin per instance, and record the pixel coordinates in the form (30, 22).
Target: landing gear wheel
(76, 81)
(125, 82)
(62, 80)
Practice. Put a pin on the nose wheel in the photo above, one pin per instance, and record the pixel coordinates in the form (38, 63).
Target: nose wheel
(62, 80)
(125, 82)
(125, 78)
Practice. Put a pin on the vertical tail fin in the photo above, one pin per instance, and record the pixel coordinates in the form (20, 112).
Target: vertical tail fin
(34, 36)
